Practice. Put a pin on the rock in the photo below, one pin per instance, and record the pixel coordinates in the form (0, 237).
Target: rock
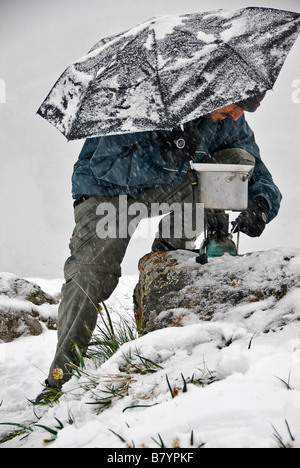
(24, 307)
(14, 323)
(15, 287)
(174, 290)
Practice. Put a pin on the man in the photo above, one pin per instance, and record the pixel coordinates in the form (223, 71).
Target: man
(147, 168)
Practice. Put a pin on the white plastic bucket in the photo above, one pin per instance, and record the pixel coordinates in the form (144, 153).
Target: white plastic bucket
(223, 186)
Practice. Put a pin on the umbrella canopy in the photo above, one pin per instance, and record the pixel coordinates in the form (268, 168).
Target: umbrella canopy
(171, 70)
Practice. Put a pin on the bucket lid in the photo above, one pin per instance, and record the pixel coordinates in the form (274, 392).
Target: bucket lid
(204, 167)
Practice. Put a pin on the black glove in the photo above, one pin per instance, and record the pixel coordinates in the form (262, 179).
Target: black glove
(180, 145)
(252, 221)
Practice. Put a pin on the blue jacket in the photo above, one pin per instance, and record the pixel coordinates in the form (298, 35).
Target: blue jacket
(130, 163)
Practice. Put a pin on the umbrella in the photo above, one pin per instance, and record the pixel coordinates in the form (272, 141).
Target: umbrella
(171, 70)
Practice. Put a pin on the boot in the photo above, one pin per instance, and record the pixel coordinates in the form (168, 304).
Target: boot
(161, 245)
(49, 394)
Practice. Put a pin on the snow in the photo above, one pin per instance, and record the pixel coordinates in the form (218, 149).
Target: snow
(234, 30)
(242, 385)
(202, 36)
(166, 25)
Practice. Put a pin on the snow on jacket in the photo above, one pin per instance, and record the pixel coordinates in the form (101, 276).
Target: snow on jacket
(130, 163)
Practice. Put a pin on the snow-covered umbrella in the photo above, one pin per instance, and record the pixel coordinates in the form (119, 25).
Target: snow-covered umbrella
(171, 70)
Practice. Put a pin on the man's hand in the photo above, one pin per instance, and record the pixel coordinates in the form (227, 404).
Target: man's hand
(252, 221)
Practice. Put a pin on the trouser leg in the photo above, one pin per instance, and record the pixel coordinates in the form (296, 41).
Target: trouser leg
(77, 316)
(91, 274)
(185, 219)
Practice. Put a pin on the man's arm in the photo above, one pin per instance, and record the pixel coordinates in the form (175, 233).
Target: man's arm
(239, 135)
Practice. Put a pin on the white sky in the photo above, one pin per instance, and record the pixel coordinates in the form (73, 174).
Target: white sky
(38, 40)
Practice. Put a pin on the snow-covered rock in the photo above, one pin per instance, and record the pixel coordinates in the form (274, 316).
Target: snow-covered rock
(24, 306)
(174, 290)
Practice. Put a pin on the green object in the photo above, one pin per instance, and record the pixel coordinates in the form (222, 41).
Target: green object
(216, 247)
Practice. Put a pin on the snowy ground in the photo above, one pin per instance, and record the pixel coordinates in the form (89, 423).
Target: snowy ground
(244, 395)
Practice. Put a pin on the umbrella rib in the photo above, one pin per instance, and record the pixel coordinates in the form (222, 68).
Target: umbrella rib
(159, 84)
(267, 83)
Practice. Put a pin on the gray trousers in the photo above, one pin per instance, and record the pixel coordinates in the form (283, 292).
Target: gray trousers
(93, 269)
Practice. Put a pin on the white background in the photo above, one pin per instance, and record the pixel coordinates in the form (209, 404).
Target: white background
(38, 40)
